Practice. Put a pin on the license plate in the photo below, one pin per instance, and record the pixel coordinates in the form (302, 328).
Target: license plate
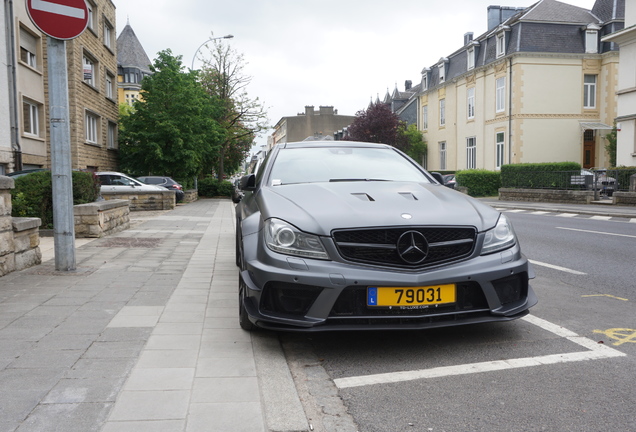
(411, 296)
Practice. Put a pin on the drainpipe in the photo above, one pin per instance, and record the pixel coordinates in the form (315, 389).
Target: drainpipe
(510, 111)
(13, 89)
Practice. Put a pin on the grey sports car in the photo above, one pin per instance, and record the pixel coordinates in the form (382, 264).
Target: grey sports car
(349, 236)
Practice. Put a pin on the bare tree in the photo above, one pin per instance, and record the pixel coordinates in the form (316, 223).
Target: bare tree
(242, 118)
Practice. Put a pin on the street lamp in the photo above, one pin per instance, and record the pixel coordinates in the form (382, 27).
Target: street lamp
(209, 40)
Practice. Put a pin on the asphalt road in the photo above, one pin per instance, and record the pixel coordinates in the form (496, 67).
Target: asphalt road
(568, 366)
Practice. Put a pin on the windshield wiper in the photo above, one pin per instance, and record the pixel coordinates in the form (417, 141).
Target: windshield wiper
(356, 180)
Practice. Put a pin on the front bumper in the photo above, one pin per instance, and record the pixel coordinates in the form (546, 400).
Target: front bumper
(288, 293)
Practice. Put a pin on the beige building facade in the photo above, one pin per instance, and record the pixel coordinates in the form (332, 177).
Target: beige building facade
(537, 87)
(92, 81)
(626, 94)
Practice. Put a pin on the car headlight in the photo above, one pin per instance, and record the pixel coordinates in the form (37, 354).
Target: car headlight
(287, 239)
(501, 237)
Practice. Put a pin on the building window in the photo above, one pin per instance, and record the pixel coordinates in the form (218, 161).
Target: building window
(470, 53)
(92, 127)
(501, 44)
(589, 91)
(108, 34)
(112, 135)
(442, 72)
(425, 117)
(442, 155)
(31, 118)
(92, 11)
(501, 94)
(471, 102)
(471, 153)
(591, 41)
(442, 112)
(499, 142)
(28, 48)
(425, 79)
(89, 70)
(110, 83)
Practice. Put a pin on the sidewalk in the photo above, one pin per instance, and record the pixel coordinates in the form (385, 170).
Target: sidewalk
(143, 336)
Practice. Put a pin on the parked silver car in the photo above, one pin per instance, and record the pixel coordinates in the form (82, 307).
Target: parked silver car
(348, 235)
(117, 182)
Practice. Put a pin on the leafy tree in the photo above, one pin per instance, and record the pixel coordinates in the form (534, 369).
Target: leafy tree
(378, 124)
(610, 147)
(242, 117)
(416, 147)
(173, 129)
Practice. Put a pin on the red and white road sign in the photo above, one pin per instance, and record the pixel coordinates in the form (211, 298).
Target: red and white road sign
(60, 19)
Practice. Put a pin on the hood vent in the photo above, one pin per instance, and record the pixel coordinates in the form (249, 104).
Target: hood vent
(363, 196)
(408, 195)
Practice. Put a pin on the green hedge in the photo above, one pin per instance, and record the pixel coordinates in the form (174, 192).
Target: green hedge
(551, 175)
(479, 182)
(210, 187)
(33, 194)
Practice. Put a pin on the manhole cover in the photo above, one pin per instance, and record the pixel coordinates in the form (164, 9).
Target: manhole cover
(130, 242)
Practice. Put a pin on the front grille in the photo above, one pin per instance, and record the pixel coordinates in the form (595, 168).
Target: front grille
(380, 245)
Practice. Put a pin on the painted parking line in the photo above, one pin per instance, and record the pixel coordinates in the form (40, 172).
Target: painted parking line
(556, 267)
(597, 232)
(566, 214)
(540, 212)
(594, 351)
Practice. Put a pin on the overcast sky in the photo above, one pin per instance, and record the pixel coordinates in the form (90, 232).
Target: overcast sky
(338, 53)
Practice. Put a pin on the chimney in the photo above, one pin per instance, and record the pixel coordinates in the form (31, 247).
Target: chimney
(499, 14)
(468, 38)
(408, 84)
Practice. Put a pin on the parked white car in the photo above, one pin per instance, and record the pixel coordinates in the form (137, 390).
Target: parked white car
(117, 182)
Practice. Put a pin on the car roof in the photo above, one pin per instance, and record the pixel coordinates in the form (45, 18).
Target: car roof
(344, 144)
(111, 173)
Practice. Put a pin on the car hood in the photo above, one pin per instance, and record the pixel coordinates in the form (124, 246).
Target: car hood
(319, 208)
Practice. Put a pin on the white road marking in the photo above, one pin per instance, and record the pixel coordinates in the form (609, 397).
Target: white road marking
(513, 210)
(539, 212)
(566, 214)
(595, 351)
(555, 267)
(601, 217)
(597, 232)
(58, 9)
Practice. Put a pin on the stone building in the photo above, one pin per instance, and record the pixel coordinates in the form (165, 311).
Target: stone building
(133, 65)
(310, 125)
(92, 74)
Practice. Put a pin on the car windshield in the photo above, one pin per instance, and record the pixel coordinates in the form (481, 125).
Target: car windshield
(342, 164)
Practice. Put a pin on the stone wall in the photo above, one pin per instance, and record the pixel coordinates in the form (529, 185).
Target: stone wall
(145, 200)
(26, 240)
(625, 198)
(101, 218)
(546, 195)
(191, 195)
(19, 237)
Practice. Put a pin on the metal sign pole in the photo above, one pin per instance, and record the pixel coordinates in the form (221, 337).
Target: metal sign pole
(61, 175)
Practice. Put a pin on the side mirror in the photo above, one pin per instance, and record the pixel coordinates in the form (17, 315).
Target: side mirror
(437, 176)
(248, 183)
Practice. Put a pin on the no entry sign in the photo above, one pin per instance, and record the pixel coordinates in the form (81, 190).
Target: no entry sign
(60, 19)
